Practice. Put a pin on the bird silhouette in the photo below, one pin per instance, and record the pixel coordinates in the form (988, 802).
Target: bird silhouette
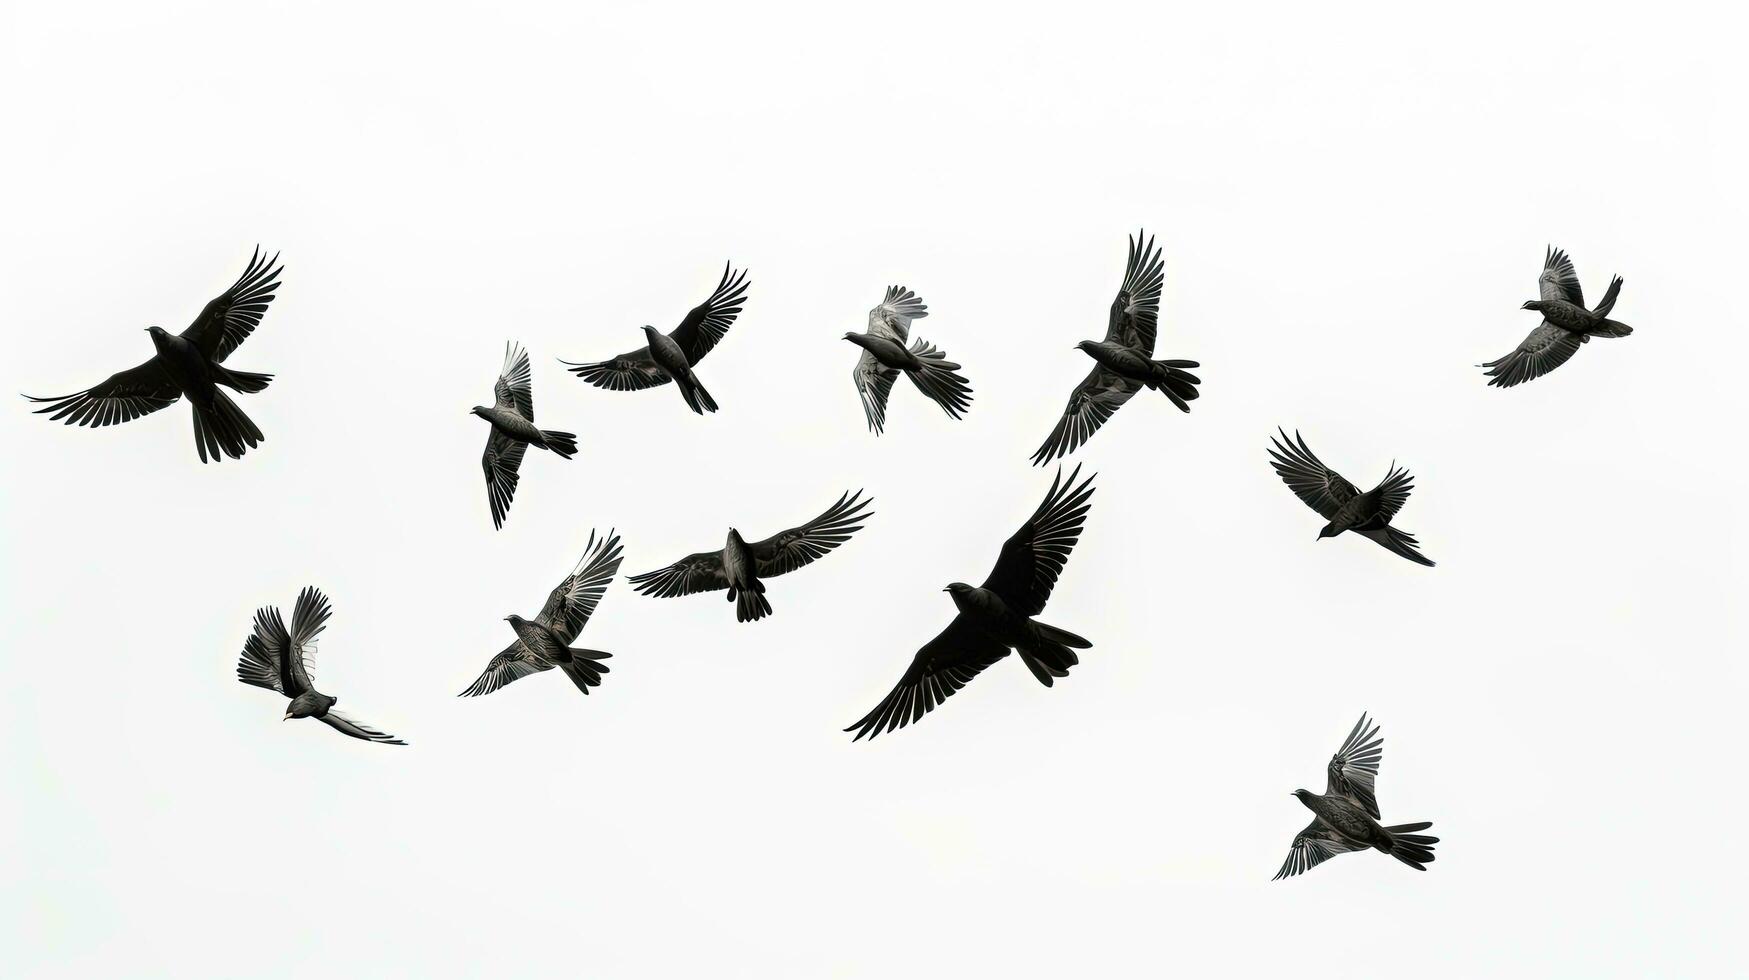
(545, 641)
(1565, 325)
(1123, 361)
(885, 357)
(672, 356)
(513, 431)
(279, 660)
(741, 568)
(1341, 503)
(1346, 817)
(191, 365)
(997, 616)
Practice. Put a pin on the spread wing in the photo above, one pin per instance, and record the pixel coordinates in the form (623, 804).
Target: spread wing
(1034, 556)
(943, 666)
(710, 320)
(340, 723)
(574, 601)
(515, 663)
(1312, 847)
(514, 389)
(502, 459)
(702, 572)
(1094, 400)
(1135, 313)
(1546, 348)
(122, 397)
(1559, 280)
(1392, 493)
(228, 320)
(631, 371)
(798, 546)
(277, 658)
(1355, 766)
(1322, 488)
(892, 319)
(874, 383)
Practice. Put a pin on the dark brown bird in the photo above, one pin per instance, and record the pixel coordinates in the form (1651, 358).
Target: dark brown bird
(885, 357)
(1341, 503)
(545, 641)
(1346, 817)
(279, 660)
(513, 431)
(1565, 325)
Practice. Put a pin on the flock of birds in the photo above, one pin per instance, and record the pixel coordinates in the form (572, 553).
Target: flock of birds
(991, 620)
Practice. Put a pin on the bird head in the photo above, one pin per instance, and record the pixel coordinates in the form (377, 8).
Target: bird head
(1085, 345)
(514, 620)
(479, 410)
(157, 331)
(1532, 304)
(853, 337)
(957, 588)
(1301, 794)
(650, 331)
(1328, 531)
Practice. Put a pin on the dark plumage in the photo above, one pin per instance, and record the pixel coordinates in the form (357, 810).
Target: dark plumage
(1123, 361)
(1565, 325)
(1341, 503)
(545, 641)
(191, 365)
(671, 357)
(1346, 817)
(885, 357)
(513, 431)
(997, 616)
(741, 568)
(279, 660)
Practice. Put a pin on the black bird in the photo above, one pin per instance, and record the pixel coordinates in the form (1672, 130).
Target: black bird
(189, 364)
(671, 357)
(997, 616)
(1124, 361)
(884, 356)
(1566, 324)
(1346, 817)
(742, 568)
(545, 641)
(1341, 503)
(279, 660)
(513, 431)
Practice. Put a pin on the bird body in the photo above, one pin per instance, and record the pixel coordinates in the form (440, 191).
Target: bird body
(277, 658)
(514, 426)
(741, 569)
(671, 358)
(889, 352)
(511, 417)
(545, 642)
(1345, 816)
(1566, 324)
(885, 356)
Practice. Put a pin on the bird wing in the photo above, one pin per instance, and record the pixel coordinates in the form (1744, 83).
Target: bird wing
(1607, 303)
(874, 382)
(277, 658)
(943, 666)
(514, 663)
(710, 320)
(1135, 313)
(632, 371)
(1559, 280)
(892, 319)
(1034, 556)
(1312, 847)
(1094, 400)
(574, 601)
(122, 397)
(1392, 493)
(1546, 348)
(503, 457)
(514, 389)
(229, 319)
(798, 546)
(340, 723)
(1322, 488)
(702, 572)
(1355, 766)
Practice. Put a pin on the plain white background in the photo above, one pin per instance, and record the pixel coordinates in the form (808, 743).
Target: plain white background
(1353, 203)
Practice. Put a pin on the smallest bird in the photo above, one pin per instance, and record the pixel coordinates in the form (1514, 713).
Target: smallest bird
(279, 660)
(1346, 817)
(885, 357)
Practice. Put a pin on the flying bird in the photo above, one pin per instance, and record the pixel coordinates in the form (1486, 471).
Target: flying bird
(191, 365)
(279, 660)
(1565, 325)
(672, 356)
(1123, 361)
(742, 568)
(1341, 503)
(885, 357)
(997, 616)
(513, 431)
(1346, 817)
(545, 641)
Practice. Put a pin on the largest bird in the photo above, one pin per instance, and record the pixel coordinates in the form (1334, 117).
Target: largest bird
(997, 616)
(191, 365)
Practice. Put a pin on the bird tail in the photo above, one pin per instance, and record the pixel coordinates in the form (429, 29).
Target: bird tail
(1607, 303)
(221, 427)
(1051, 656)
(585, 668)
(246, 382)
(1611, 328)
(939, 381)
(563, 443)
(1399, 542)
(1415, 850)
(697, 398)
(750, 602)
(1177, 384)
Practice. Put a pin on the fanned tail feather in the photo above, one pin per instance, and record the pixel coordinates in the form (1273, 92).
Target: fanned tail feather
(222, 428)
(939, 381)
(586, 668)
(1415, 850)
(563, 443)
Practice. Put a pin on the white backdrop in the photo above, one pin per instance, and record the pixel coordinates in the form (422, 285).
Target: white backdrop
(1352, 205)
